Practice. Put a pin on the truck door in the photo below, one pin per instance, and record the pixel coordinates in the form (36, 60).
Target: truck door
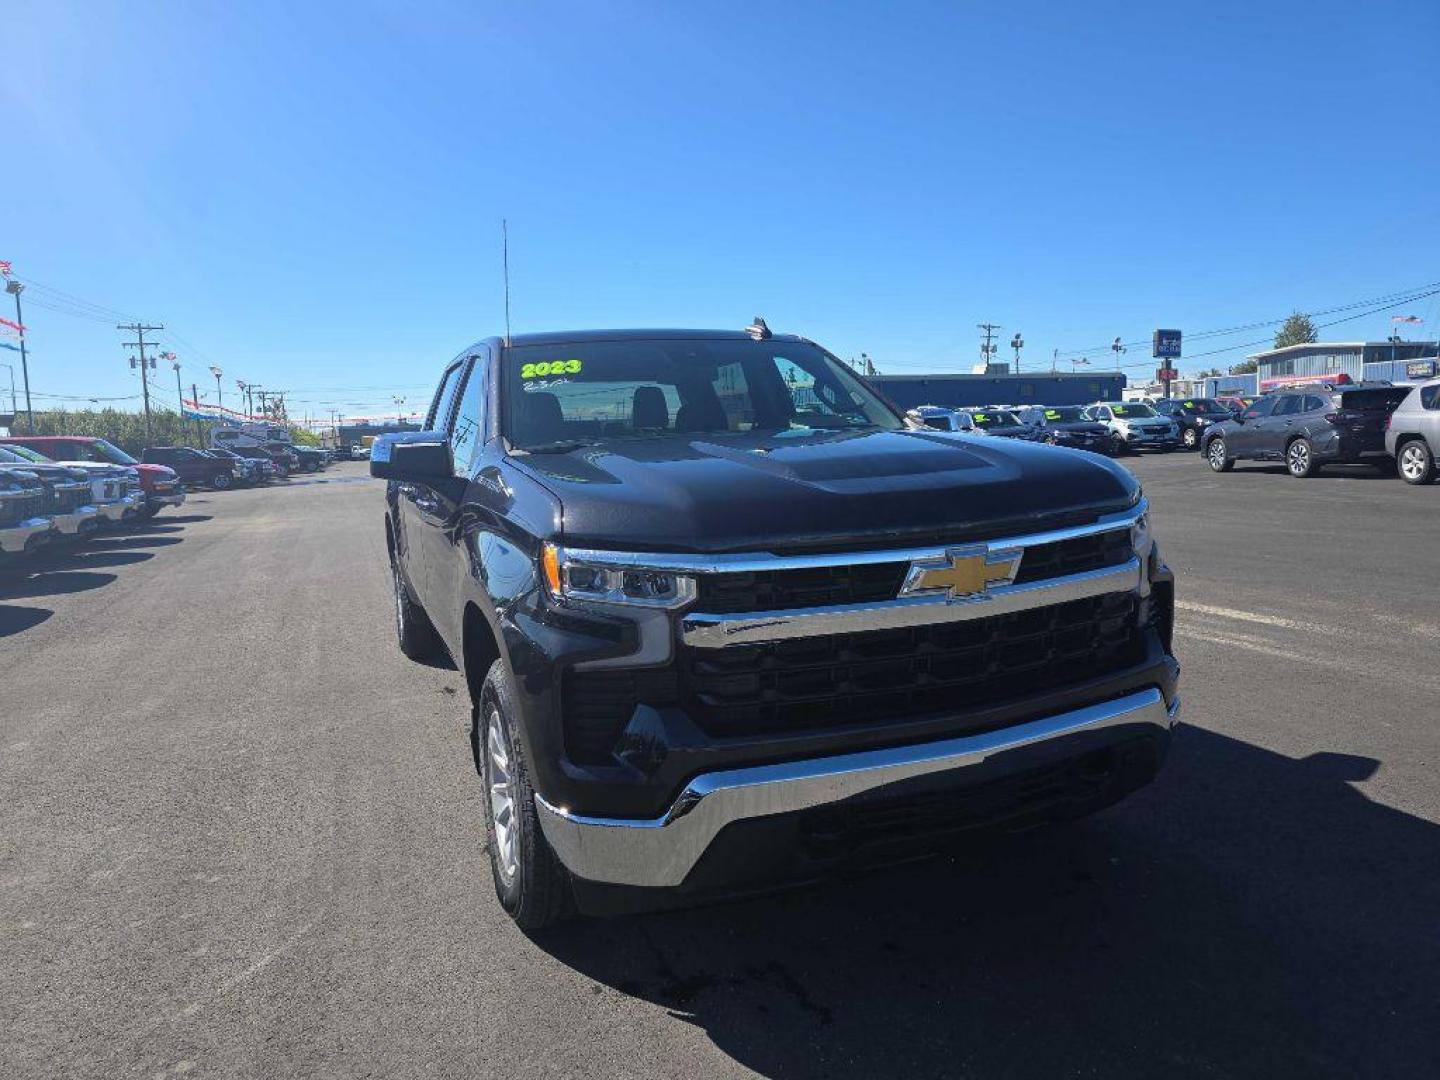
(414, 501)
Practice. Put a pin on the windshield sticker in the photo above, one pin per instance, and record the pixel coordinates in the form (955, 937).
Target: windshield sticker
(980, 418)
(1052, 414)
(547, 368)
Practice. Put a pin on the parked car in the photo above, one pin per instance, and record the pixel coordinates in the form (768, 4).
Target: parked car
(310, 458)
(287, 461)
(264, 461)
(1134, 425)
(24, 524)
(159, 483)
(248, 470)
(1193, 416)
(114, 489)
(1412, 433)
(193, 467)
(1307, 427)
(998, 422)
(725, 618)
(940, 419)
(1067, 425)
(360, 452)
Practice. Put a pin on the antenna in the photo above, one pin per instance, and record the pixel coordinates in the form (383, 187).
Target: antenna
(505, 258)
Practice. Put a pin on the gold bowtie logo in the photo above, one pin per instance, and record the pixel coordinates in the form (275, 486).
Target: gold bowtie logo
(964, 574)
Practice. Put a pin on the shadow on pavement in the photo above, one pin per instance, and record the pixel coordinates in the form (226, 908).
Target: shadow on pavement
(1248, 915)
(15, 620)
(85, 559)
(53, 584)
(1327, 472)
(179, 519)
(108, 543)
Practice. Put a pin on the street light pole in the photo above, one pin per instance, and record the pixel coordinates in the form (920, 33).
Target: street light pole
(11, 368)
(14, 288)
(1017, 343)
(219, 394)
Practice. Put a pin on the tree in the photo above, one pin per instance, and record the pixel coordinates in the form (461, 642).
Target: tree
(1209, 373)
(1298, 330)
(1245, 367)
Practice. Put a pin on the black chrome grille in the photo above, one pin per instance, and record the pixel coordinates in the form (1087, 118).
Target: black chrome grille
(1064, 557)
(779, 590)
(67, 497)
(15, 510)
(860, 678)
(881, 675)
(823, 586)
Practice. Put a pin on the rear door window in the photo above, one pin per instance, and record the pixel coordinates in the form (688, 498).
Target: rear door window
(1288, 405)
(1430, 396)
(1313, 403)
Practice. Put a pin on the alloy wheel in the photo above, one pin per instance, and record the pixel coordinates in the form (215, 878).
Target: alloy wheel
(502, 797)
(1412, 462)
(1217, 454)
(1299, 459)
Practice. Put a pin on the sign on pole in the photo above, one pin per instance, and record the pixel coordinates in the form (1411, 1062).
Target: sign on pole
(1166, 345)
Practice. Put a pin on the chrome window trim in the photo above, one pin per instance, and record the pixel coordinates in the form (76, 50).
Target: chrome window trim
(662, 851)
(755, 562)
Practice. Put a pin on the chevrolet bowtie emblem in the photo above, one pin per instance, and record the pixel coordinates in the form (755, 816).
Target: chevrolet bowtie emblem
(964, 573)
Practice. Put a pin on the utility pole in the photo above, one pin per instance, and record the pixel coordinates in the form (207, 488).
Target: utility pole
(9, 368)
(14, 288)
(1119, 351)
(199, 431)
(139, 330)
(245, 390)
(179, 390)
(1054, 360)
(987, 350)
(1017, 343)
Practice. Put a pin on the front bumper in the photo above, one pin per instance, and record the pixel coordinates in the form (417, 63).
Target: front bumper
(78, 522)
(171, 498)
(1135, 438)
(661, 852)
(17, 539)
(120, 509)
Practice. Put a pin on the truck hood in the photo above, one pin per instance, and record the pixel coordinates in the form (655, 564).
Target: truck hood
(147, 472)
(757, 492)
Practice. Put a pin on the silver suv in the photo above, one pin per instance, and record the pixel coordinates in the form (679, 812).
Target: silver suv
(1413, 433)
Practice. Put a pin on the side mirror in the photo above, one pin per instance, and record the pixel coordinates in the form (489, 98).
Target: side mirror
(421, 457)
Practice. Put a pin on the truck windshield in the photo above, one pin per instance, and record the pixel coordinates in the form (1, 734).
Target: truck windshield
(558, 396)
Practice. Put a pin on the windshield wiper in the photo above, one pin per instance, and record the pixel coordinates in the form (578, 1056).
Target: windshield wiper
(562, 446)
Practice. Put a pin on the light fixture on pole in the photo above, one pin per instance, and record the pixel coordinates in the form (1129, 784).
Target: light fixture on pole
(1017, 343)
(1119, 351)
(219, 395)
(14, 288)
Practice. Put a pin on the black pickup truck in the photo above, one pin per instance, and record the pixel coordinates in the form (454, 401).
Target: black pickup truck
(728, 622)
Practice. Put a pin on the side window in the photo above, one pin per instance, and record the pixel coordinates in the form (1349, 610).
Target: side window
(1430, 396)
(438, 417)
(1288, 405)
(468, 432)
(1259, 409)
(1313, 403)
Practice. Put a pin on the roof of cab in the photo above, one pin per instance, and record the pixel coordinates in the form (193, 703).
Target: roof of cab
(558, 337)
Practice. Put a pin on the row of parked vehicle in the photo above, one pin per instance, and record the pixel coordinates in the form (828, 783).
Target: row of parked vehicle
(63, 488)
(1309, 427)
(1109, 427)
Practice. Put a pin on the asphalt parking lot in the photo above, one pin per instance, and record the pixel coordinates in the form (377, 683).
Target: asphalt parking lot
(242, 836)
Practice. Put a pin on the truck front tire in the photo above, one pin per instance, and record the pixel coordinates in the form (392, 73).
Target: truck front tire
(413, 628)
(532, 886)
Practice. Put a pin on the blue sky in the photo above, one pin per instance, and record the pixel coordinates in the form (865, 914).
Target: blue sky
(310, 195)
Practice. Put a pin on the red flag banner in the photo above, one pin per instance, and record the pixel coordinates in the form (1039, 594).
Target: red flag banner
(12, 325)
(5, 267)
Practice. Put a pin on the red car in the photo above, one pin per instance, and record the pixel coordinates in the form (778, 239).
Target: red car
(159, 483)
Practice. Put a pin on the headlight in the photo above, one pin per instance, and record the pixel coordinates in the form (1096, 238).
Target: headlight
(610, 581)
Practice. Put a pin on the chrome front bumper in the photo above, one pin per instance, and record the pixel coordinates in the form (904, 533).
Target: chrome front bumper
(80, 520)
(119, 509)
(176, 498)
(661, 852)
(14, 539)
